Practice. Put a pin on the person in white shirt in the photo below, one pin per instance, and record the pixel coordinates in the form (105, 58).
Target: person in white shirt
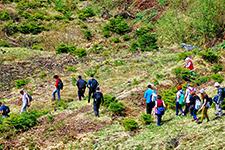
(25, 101)
(187, 98)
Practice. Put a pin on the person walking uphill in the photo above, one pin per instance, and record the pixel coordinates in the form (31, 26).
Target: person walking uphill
(187, 98)
(179, 100)
(4, 110)
(148, 97)
(189, 64)
(98, 99)
(205, 106)
(81, 85)
(195, 105)
(58, 87)
(220, 97)
(92, 85)
(160, 108)
(25, 101)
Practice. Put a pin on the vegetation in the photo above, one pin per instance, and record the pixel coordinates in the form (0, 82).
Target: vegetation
(130, 124)
(21, 82)
(146, 119)
(116, 108)
(86, 13)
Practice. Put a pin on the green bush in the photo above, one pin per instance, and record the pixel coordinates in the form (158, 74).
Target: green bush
(183, 73)
(91, 71)
(29, 4)
(4, 15)
(217, 78)
(10, 28)
(64, 48)
(87, 34)
(217, 68)
(126, 37)
(184, 55)
(134, 47)
(109, 99)
(143, 30)
(106, 31)
(116, 108)
(169, 96)
(210, 56)
(20, 83)
(4, 43)
(31, 27)
(115, 40)
(80, 52)
(117, 25)
(130, 124)
(97, 48)
(201, 80)
(146, 118)
(86, 13)
(61, 105)
(147, 42)
(119, 62)
(71, 69)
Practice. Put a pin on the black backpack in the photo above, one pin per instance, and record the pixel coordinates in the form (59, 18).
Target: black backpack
(97, 97)
(6, 111)
(60, 85)
(223, 92)
(94, 84)
(30, 97)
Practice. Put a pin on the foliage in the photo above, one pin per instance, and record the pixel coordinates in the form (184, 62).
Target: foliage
(116, 108)
(29, 4)
(146, 118)
(218, 78)
(86, 13)
(4, 15)
(217, 68)
(4, 43)
(20, 83)
(116, 25)
(162, 2)
(169, 95)
(80, 52)
(130, 124)
(71, 68)
(126, 37)
(194, 21)
(119, 62)
(10, 28)
(97, 48)
(91, 71)
(87, 34)
(109, 99)
(64, 48)
(61, 104)
(183, 73)
(210, 56)
(50, 118)
(201, 80)
(184, 55)
(31, 27)
(115, 40)
(134, 47)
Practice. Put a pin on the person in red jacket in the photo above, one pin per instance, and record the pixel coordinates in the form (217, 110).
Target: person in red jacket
(58, 87)
(189, 64)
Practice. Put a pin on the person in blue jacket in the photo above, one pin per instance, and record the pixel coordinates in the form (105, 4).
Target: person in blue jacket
(148, 95)
(220, 97)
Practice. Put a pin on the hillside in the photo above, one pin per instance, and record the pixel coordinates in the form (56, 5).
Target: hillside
(126, 44)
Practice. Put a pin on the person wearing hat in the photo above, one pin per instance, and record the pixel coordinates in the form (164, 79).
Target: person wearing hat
(189, 64)
(206, 104)
(149, 100)
(221, 96)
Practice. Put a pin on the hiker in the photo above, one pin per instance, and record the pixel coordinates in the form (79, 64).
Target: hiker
(159, 109)
(187, 98)
(207, 101)
(98, 99)
(4, 110)
(220, 97)
(25, 101)
(195, 105)
(81, 85)
(189, 64)
(179, 100)
(58, 87)
(148, 97)
(92, 85)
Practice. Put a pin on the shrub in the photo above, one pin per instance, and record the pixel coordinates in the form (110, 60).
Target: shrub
(119, 62)
(130, 124)
(109, 99)
(169, 96)
(10, 28)
(86, 13)
(218, 78)
(87, 34)
(134, 47)
(71, 68)
(202, 80)
(210, 56)
(217, 68)
(80, 52)
(116, 108)
(20, 83)
(143, 30)
(4, 15)
(117, 25)
(97, 48)
(50, 118)
(31, 4)
(37, 47)
(106, 32)
(182, 73)
(42, 75)
(146, 118)
(126, 37)
(31, 27)
(147, 42)
(91, 71)
(61, 105)
(64, 48)
(184, 55)
(115, 40)
(4, 43)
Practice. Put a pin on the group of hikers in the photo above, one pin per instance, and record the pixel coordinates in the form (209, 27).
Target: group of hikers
(154, 104)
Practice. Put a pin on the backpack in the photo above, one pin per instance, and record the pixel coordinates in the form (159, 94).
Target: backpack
(30, 97)
(97, 97)
(82, 84)
(215, 99)
(60, 85)
(6, 111)
(160, 110)
(94, 84)
(153, 97)
(198, 104)
(223, 92)
(181, 99)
